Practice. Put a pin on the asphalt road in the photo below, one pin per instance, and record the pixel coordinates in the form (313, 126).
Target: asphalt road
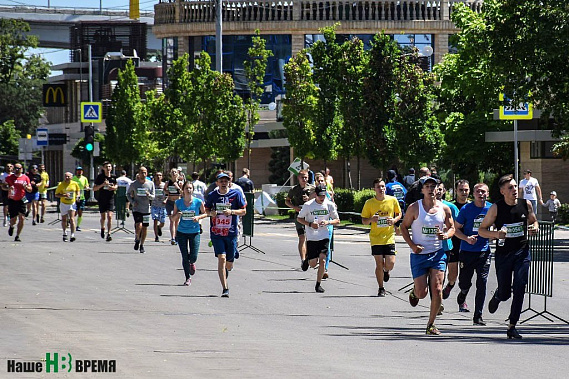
(100, 300)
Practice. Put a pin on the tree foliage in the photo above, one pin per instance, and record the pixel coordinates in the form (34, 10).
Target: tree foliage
(9, 138)
(21, 77)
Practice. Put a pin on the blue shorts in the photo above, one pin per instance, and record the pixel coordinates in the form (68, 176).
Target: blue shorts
(158, 213)
(422, 263)
(33, 196)
(225, 246)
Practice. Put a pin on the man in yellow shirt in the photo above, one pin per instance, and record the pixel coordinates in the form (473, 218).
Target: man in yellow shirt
(68, 191)
(42, 189)
(382, 212)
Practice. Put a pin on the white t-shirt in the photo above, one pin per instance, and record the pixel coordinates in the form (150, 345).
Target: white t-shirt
(312, 211)
(528, 188)
(199, 189)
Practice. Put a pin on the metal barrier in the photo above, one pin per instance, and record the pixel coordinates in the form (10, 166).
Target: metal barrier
(248, 224)
(120, 211)
(540, 281)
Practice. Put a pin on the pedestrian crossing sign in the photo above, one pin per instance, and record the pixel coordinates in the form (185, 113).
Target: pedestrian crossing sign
(91, 112)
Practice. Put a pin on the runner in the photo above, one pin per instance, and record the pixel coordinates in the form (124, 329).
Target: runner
(33, 197)
(382, 212)
(474, 251)
(68, 191)
(9, 171)
(158, 210)
(199, 186)
(297, 196)
(42, 189)
(125, 181)
(320, 180)
(462, 192)
(83, 183)
(106, 184)
(17, 185)
(245, 182)
(431, 223)
(514, 220)
(224, 206)
(173, 189)
(396, 189)
(140, 194)
(317, 214)
(189, 210)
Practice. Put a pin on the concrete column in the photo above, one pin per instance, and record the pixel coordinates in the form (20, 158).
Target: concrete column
(296, 10)
(297, 43)
(445, 10)
(441, 47)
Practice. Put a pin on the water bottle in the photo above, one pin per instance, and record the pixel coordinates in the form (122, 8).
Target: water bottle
(316, 221)
(502, 241)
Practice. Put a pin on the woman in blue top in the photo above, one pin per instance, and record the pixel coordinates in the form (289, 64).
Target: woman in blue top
(188, 211)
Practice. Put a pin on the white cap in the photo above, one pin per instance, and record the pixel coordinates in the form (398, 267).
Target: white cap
(553, 193)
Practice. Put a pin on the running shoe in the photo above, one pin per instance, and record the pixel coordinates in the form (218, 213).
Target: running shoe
(173, 242)
(463, 307)
(461, 298)
(136, 244)
(77, 229)
(513, 333)
(156, 239)
(65, 238)
(446, 291)
(192, 268)
(11, 231)
(17, 239)
(33, 222)
(38, 218)
(225, 293)
(493, 304)
(42, 220)
(325, 276)
(386, 276)
(102, 233)
(109, 238)
(432, 330)
(304, 265)
(72, 239)
(413, 299)
(188, 282)
(210, 244)
(159, 231)
(142, 251)
(5, 223)
(441, 310)
(478, 321)
(319, 288)
(381, 292)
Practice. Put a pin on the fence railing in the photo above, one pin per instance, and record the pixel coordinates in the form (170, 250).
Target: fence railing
(182, 11)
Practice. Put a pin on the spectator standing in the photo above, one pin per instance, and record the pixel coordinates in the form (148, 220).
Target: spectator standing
(530, 189)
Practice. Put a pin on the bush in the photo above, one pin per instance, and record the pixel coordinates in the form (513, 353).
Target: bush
(563, 214)
(280, 200)
(351, 201)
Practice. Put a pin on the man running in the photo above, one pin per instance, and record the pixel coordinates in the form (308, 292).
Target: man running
(42, 190)
(297, 196)
(474, 251)
(140, 194)
(9, 171)
(17, 186)
(224, 206)
(106, 184)
(68, 191)
(83, 183)
(462, 192)
(382, 212)
(431, 223)
(245, 182)
(199, 186)
(514, 220)
(317, 214)
(33, 197)
(173, 191)
(158, 209)
(396, 189)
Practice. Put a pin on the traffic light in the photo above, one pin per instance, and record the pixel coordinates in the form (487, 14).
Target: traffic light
(89, 138)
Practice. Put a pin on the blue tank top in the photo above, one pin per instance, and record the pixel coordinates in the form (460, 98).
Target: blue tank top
(186, 224)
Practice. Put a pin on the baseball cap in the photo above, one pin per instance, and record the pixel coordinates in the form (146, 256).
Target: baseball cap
(391, 174)
(320, 190)
(553, 193)
(222, 175)
(528, 171)
(34, 167)
(425, 179)
(78, 168)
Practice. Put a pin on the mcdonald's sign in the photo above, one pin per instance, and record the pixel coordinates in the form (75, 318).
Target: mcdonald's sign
(54, 95)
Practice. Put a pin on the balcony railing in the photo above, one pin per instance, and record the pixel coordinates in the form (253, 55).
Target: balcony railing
(182, 11)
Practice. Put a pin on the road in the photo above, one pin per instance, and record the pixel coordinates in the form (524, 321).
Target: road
(100, 300)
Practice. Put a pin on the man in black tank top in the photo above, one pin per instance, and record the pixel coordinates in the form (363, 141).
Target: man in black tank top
(514, 219)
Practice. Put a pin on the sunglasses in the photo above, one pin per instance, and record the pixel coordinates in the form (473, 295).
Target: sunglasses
(17, 168)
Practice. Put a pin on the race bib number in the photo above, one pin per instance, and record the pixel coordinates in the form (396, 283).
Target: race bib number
(159, 192)
(382, 222)
(514, 230)
(141, 192)
(477, 221)
(430, 232)
(398, 193)
(172, 189)
(187, 215)
(69, 195)
(219, 207)
(146, 219)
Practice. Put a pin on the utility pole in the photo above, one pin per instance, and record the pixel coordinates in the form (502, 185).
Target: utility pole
(218, 36)
(91, 160)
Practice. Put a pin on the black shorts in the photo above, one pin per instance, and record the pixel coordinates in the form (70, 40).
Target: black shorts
(315, 248)
(139, 218)
(170, 207)
(452, 256)
(107, 206)
(80, 204)
(383, 250)
(300, 228)
(16, 207)
(4, 197)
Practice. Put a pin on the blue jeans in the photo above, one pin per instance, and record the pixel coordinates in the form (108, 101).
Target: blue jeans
(469, 262)
(516, 263)
(193, 240)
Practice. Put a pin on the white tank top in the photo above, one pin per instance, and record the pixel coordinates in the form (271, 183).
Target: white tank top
(424, 229)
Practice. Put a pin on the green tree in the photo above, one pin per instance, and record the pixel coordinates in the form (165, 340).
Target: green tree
(127, 133)
(84, 156)
(21, 77)
(9, 138)
(255, 69)
(299, 105)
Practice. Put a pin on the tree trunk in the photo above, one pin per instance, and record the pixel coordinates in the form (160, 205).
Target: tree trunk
(359, 173)
(349, 172)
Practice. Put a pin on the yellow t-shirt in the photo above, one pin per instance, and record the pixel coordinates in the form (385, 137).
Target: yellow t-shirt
(381, 233)
(71, 189)
(45, 182)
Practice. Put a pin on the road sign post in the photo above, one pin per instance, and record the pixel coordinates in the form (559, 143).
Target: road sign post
(91, 111)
